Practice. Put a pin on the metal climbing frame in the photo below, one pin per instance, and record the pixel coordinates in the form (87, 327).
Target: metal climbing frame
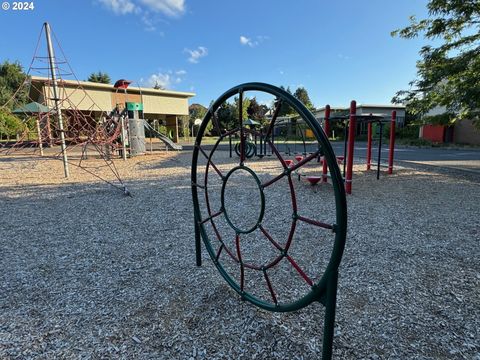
(323, 289)
(349, 122)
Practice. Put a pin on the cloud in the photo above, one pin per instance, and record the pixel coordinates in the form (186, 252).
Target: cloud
(343, 57)
(149, 11)
(148, 23)
(252, 42)
(168, 7)
(195, 55)
(165, 80)
(120, 7)
(244, 40)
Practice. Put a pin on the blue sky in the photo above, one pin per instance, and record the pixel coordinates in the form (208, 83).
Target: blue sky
(337, 50)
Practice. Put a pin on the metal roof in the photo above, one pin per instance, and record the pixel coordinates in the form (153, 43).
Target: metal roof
(32, 108)
(111, 88)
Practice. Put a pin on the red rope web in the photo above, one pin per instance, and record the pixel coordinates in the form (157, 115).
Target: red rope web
(283, 251)
(90, 133)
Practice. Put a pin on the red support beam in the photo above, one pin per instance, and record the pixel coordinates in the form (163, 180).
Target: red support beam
(369, 145)
(327, 132)
(352, 126)
(392, 142)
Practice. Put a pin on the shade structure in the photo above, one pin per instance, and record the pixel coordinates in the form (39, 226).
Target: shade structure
(251, 122)
(32, 108)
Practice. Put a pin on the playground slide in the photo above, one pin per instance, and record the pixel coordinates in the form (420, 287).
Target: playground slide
(162, 137)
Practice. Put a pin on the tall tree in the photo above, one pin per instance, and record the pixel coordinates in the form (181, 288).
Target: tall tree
(302, 94)
(285, 109)
(448, 75)
(99, 77)
(245, 105)
(226, 116)
(158, 86)
(198, 111)
(12, 77)
(256, 111)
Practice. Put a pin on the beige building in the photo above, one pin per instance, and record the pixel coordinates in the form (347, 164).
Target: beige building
(98, 99)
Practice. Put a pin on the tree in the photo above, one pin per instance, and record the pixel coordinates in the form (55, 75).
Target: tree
(158, 86)
(245, 105)
(183, 126)
(99, 77)
(285, 109)
(226, 116)
(302, 94)
(197, 111)
(10, 125)
(448, 75)
(256, 111)
(12, 77)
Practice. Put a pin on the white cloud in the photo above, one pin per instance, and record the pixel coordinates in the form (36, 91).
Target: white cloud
(149, 24)
(195, 55)
(343, 57)
(162, 80)
(149, 11)
(167, 7)
(252, 42)
(244, 40)
(120, 7)
(165, 79)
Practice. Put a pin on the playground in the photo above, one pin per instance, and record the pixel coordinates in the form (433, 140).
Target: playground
(91, 273)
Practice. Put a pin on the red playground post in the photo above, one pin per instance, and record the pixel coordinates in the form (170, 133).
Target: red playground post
(327, 132)
(369, 145)
(392, 142)
(352, 126)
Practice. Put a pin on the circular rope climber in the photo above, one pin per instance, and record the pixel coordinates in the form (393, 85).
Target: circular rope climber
(213, 178)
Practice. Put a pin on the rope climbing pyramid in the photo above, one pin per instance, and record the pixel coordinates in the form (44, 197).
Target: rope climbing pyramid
(60, 120)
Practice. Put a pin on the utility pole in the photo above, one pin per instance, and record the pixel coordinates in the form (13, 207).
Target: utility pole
(58, 111)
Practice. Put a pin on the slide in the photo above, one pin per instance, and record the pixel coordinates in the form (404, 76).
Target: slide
(162, 137)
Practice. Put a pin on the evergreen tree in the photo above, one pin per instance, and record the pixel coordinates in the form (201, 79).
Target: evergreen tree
(99, 77)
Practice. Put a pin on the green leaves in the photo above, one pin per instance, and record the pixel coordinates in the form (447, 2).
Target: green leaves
(10, 125)
(448, 75)
(99, 77)
(12, 81)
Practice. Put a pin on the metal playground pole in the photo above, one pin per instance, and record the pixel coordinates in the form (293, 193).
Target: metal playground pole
(327, 132)
(392, 142)
(58, 111)
(351, 142)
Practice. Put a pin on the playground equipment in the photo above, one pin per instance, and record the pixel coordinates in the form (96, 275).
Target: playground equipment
(350, 122)
(133, 126)
(260, 249)
(62, 130)
(166, 140)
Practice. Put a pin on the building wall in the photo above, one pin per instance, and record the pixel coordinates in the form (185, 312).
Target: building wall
(89, 98)
(92, 100)
(387, 111)
(434, 133)
(165, 105)
(466, 133)
(119, 98)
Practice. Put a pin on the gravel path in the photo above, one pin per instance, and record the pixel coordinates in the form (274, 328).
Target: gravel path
(88, 273)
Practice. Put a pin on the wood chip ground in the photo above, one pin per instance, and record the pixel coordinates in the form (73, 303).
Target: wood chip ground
(88, 273)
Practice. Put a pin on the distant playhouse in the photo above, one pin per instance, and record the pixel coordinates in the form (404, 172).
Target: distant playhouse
(163, 105)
